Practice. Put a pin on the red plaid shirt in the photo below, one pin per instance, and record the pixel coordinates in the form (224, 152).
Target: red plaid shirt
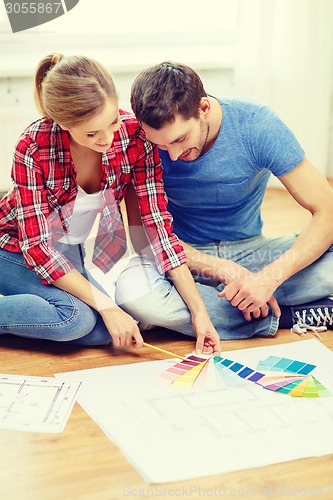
(38, 208)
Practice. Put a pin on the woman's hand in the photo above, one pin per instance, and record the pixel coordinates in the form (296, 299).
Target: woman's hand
(208, 340)
(122, 327)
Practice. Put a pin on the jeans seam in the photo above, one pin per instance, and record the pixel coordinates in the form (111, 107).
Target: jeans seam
(274, 325)
(53, 325)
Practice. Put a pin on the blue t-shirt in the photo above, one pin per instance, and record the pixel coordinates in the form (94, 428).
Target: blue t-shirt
(218, 196)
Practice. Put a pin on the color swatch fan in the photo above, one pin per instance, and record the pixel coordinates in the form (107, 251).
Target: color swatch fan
(280, 375)
(185, 374)
(288, 376)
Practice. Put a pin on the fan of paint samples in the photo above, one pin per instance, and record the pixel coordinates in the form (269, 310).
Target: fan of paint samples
(184, 374)
(280, 375)
(288, 376)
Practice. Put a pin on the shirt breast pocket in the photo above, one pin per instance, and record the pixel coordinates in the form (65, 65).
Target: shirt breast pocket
(232, 193)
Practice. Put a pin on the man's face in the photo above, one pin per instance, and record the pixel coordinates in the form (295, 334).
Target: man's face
(182, 139)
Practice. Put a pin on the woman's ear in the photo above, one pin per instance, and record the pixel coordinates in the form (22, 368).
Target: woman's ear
(63, 127)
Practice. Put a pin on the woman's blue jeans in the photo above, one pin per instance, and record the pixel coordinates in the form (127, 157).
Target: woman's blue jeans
(31, 309)
(151, 299)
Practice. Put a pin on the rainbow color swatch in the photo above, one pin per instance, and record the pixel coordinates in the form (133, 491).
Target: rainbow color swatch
(276, 374)
(183, 375)
(288, 376)
(281, 375)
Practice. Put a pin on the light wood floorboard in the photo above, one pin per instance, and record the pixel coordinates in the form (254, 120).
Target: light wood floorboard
(82, 463)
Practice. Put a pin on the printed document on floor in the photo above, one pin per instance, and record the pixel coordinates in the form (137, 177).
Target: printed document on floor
(169, 434)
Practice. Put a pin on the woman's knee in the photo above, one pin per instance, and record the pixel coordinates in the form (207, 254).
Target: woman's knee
(76, 320)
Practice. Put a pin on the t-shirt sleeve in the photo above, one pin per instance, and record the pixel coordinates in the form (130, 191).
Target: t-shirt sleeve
(273, 144)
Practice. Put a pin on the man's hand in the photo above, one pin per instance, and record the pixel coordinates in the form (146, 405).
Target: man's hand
(251, 293)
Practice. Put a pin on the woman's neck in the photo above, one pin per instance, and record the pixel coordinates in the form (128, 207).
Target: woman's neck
(88, 165)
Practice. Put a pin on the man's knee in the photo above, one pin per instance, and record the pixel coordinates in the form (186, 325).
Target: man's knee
(141, 300)
(150, 298)
(136, 281)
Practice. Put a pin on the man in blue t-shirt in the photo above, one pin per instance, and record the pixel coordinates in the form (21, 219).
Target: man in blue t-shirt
(218, 155)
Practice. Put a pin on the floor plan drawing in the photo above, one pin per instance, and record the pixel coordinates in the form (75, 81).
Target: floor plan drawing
(35, 404)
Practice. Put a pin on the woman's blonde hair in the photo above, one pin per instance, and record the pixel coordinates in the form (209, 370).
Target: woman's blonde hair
(73, 89)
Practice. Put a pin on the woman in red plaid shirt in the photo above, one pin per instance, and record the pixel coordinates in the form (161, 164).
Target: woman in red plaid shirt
(75, 162)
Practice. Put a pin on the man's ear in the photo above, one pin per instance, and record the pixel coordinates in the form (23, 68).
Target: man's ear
(204, 107)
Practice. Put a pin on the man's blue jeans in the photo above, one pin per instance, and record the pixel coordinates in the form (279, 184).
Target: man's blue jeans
(151, 299)
(31, 309)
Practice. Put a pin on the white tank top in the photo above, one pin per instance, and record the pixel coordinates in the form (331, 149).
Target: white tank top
(86, 208)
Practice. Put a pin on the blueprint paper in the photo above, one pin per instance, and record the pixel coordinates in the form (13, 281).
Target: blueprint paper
(36, 404)
(168, 435)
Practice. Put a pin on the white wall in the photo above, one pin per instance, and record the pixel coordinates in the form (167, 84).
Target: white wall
(279, 52)
(285, 59)
(212, 57)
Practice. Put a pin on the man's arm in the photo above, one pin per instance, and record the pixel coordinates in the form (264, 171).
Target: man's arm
(200, 263)
(311, 190)
(225, 271)
(209, 266)
(138, 236)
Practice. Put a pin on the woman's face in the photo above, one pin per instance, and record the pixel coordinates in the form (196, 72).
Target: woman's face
(97, 133)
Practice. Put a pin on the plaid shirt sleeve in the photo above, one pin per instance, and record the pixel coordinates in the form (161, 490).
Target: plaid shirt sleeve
(147, 177)
(32, 214)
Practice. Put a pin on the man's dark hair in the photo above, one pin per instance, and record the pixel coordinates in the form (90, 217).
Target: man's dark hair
(160, 92)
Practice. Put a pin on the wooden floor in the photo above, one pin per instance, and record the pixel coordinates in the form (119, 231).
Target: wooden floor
(82, 463)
